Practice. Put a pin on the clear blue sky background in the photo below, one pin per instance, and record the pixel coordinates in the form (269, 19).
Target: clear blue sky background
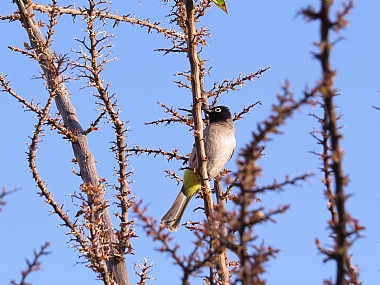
(253, 35)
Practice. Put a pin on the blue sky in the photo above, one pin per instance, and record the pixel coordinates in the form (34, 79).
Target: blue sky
(254, 34)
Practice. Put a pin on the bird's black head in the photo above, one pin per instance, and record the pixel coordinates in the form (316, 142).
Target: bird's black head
(219, 114)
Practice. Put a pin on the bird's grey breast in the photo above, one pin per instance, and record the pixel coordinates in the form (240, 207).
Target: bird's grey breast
(219, 145)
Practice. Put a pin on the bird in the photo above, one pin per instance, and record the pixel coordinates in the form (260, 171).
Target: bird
(220, 145)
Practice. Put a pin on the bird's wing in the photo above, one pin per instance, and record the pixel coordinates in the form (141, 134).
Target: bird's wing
(193, 161)
(232, 153)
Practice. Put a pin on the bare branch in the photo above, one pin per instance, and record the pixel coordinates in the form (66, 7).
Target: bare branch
(332, 156)
(53, 122)
(175, 117)
(276, 186)
(246, 110)
(51, 72)
(144, 270)
(26, 51)
(71, 10)
(91, 67)
(34, 265)
(12, 17)
(173, 175)
(3, 194)
(170, 155)
(94, 124)
(233, 84)
(246, 178)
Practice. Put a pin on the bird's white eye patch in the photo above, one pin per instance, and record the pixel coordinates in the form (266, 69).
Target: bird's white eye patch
(217, 110)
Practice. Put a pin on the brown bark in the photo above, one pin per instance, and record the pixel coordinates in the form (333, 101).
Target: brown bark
(198, 100)
(83, 155)
(331, 125)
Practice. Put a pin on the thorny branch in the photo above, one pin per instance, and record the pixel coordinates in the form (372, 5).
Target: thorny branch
(232, 230)
(173, 175)
(246, 110)
(26, 51)
(12, 17)
(144, 270)
(3, 194)
(52, 72)
(197, 72)
(191, 265)
(80, 11)
(332, 155)
(222, 225)
(193, 38)
(34, 265)
(91, 65)
(175, 117)
(233, 84)
(169, 155)
(29, 106)
(84, 248)
(94, 124)
(278, 186)
(241, 221)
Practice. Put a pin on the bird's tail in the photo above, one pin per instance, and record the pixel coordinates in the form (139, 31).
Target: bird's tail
(172, 218)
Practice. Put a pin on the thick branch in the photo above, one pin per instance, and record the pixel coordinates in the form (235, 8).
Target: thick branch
(198, 99)
(80, 146)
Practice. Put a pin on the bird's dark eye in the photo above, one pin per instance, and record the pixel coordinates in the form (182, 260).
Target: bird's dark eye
(218, 110)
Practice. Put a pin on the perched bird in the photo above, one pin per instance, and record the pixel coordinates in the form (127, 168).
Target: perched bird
(220, 144)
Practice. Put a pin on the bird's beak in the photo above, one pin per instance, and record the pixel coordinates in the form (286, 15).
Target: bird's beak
(206, 110)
